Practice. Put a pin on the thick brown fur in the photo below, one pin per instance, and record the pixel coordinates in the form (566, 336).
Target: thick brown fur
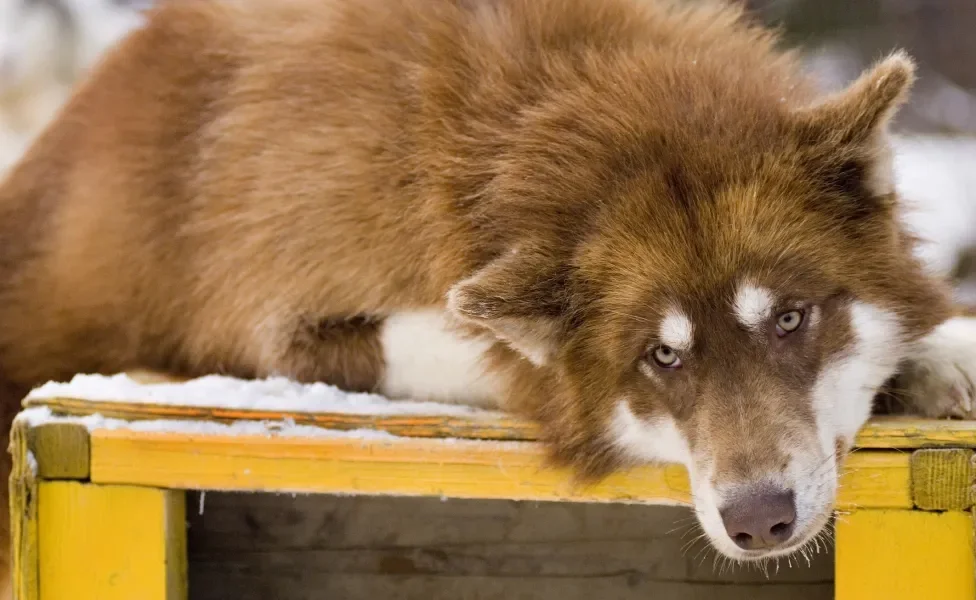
(250, 187)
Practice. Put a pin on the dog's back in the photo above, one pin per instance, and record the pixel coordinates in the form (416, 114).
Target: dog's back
(88, 218)
(233, 166)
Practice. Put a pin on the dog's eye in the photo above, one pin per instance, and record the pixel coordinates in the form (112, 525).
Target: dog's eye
(666, 357)
(788, 322)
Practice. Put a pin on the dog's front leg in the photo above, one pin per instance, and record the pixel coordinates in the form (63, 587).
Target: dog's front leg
(938, 377)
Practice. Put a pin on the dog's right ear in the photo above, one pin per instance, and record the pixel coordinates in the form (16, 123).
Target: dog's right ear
(845, 136)
(862, 111)
(519, 298)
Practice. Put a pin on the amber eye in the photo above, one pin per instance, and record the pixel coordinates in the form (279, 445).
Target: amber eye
(788, 322)
(666, 357)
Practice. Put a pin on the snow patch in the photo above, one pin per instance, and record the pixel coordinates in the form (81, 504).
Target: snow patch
(287, 428)
(272, 394)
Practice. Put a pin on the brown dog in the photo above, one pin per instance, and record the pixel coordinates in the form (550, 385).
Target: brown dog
(631, 220)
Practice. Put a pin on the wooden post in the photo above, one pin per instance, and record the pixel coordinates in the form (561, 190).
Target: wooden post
(23, 514)
(905, 555)
(114, 542)
(923, 552)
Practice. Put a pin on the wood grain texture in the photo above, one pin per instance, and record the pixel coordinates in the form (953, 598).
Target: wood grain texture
(23, 515)
(261, 546)
(426, 426)
(62, 450)
(942, 479)
(889, 432)
(421, 467)
(111, 542)
(905, 555)
(910, 433)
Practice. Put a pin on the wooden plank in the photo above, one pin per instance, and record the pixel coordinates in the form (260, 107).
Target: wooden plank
(485, 428)
(620, 586)
(875, 479)
(905, 555)
(23, 515)
(879, 433)
(111, 542)
(262, 546)
(909, 433)
(62, 450)
(465, 469)
(420, 467)
(505, 539)
(942, 479)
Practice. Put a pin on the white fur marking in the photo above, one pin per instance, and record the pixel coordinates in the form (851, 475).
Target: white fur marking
(845, 390)
(940, 376)
(648, 440)
(427, 359)
(677, 330)
(753, 305)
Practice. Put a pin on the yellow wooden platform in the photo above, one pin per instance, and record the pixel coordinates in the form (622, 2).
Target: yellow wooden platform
(98, 509)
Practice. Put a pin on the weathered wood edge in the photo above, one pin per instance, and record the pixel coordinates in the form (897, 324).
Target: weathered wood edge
(62, 450)
(423, 426)
(23, 515)
(942, 479)
(882, 433)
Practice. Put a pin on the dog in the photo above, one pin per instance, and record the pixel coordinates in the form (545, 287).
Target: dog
(636, 222)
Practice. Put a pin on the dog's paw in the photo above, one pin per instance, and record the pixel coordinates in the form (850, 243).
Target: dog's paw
(937, 379)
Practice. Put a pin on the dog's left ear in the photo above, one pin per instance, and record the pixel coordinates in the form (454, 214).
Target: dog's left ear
(518, 297)
(845, 137)
(862, 111)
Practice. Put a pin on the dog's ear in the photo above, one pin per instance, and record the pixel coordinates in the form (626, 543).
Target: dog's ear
(518, 297)
(845, 137)
(863, 110)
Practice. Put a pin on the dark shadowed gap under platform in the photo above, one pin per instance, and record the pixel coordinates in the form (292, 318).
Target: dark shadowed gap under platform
(280, 547)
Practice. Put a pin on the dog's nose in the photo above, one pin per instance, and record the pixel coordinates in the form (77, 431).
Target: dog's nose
(760, 520)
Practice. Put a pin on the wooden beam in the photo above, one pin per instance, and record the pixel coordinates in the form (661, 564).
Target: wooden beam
(421, 467)
(23, 514)
(62, 450)
(489, 427)
(942, 479)
(881, 433)
(111, 542)
(911, 433)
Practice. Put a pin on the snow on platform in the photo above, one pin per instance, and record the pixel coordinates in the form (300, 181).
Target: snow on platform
(277, 394)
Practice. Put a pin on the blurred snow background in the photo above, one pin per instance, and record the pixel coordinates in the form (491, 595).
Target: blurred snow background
(936, 147)
(47, 45)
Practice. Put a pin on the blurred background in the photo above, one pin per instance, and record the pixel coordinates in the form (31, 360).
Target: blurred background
(47, 45)
(936, 147)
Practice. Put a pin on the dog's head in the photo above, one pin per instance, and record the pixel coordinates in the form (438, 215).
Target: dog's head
(734, 302)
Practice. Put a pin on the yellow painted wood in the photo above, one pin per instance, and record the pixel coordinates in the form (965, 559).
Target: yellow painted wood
(23, 515)
(873, 479)
(905, 555)
(423, 467)
(911, 432)
(942, 479)
(111, 542)
(62, 450)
